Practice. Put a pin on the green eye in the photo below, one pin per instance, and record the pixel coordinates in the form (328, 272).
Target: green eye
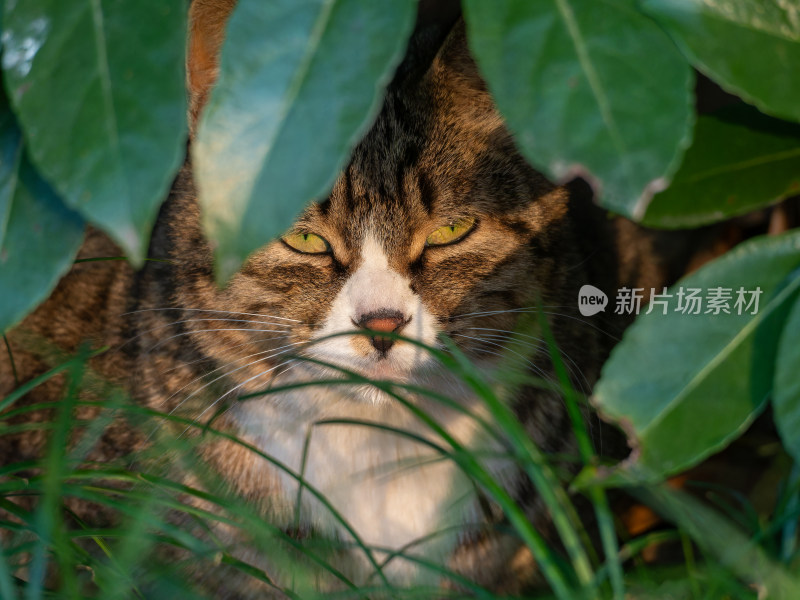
(307, 243)
(449, 234)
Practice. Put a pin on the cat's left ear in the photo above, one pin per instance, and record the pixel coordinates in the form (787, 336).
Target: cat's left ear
(454, 63)
(207, 19)
(435, 21)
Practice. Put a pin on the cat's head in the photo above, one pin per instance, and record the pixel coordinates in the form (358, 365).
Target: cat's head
(436, 226)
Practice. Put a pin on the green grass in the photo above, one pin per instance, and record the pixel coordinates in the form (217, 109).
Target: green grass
(729, 550)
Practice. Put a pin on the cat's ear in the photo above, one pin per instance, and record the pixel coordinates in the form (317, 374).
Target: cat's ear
(454, 62)
(207, 19)
(435, 20)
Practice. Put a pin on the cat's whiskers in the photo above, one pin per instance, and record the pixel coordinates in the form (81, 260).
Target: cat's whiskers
(280, 350)
(289, 364)
(506, 310)
(177, 335)
(594, 427)
(573, 372)
(585, 322)
(226, 347)
(571, 365)
(533, 309)
(285, 326)
(206, 385)
(208, 310)
(226, 320)
(505, 342)
(182, 402)
(547, 377)
(483, 350)
(228, 393)
(576, 376)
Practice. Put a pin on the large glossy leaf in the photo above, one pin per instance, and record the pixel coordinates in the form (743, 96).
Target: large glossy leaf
(740, 160)
(299, 82)
(41, 237)
(98, 87)
(683, 385)
(11, 151)
(786, 397)
(750, 47)
(588, 87)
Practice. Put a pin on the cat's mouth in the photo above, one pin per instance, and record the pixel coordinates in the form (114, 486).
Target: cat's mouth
(395, 366)
(334, 360)
(383, 368)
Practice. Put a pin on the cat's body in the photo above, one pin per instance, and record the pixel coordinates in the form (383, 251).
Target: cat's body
(438, 154)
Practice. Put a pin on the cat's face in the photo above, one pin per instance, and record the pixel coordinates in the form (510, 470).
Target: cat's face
(436, 226)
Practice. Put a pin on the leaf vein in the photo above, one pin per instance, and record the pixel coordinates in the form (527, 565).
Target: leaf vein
(744, 164)
(111, 121)
(568, 15)
(720, 356)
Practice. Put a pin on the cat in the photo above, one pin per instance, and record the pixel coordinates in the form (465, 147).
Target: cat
(436, 226)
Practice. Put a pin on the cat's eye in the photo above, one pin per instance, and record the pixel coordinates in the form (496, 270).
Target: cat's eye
(452, 233)
(307, 243)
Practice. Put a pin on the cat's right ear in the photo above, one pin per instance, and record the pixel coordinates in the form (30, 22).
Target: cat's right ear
(207, 19)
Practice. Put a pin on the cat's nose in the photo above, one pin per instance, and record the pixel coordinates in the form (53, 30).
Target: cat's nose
(388, 321)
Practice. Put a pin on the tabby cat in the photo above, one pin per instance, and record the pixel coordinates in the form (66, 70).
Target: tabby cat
(437, 226)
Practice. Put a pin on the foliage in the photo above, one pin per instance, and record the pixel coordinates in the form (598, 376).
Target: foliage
(321, 98)
(38, 234)
(101, 105)
(709, 391)
(740, 160)
(579, 84)
(93, 131)
(727, 40)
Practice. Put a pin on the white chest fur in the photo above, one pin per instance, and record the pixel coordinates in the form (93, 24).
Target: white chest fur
(391, 489)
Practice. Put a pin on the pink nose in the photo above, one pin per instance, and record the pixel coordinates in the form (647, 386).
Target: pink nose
(388, 321)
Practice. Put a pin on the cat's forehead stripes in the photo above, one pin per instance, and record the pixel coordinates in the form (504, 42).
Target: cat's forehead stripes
(429, 158)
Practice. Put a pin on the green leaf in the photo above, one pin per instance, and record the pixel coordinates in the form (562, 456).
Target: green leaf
(11, 152)
(740, 160)
(42, 236)
(98, 87)
(591, 88)
(299, 83)
(749, 47)
(683, 385)
(786, 397)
